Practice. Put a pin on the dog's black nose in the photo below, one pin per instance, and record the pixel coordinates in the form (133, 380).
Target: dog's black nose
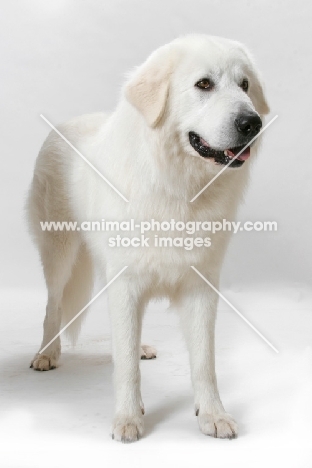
(248, 124)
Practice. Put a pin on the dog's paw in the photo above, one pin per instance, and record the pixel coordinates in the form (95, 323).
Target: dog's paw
(127, 429)
(221, 425)
(148, 352)
(42, 362)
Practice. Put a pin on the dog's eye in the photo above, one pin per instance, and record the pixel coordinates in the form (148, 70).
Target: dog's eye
(205, 83)
(244, 85)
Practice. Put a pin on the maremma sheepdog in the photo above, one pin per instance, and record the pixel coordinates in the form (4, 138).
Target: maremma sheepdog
(185, 114)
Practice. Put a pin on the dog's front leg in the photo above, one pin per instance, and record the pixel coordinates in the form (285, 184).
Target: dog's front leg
(198, 313)
(126, 319)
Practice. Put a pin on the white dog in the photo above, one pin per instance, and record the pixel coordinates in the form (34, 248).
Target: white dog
(183, 115)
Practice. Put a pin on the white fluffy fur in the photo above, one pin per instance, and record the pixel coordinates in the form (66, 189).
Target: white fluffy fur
(143, 149)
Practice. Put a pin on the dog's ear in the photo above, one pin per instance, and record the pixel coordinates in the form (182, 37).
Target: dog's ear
(257, 95)
(148, 88)
(256, 90)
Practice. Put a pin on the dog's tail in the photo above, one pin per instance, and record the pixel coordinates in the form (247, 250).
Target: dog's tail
(77, 293)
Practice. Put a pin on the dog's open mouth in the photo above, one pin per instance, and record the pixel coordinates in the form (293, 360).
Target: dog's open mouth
(220, 156)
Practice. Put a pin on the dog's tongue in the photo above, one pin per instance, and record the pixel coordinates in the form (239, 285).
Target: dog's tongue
(243, 156)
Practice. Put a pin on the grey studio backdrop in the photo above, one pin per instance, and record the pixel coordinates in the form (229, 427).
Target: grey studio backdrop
(63, 58)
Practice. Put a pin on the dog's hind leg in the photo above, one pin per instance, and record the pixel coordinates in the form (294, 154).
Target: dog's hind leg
(58, 255)
(148, 352)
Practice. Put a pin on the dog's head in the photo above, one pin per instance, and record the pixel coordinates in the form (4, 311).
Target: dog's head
(209, 90)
